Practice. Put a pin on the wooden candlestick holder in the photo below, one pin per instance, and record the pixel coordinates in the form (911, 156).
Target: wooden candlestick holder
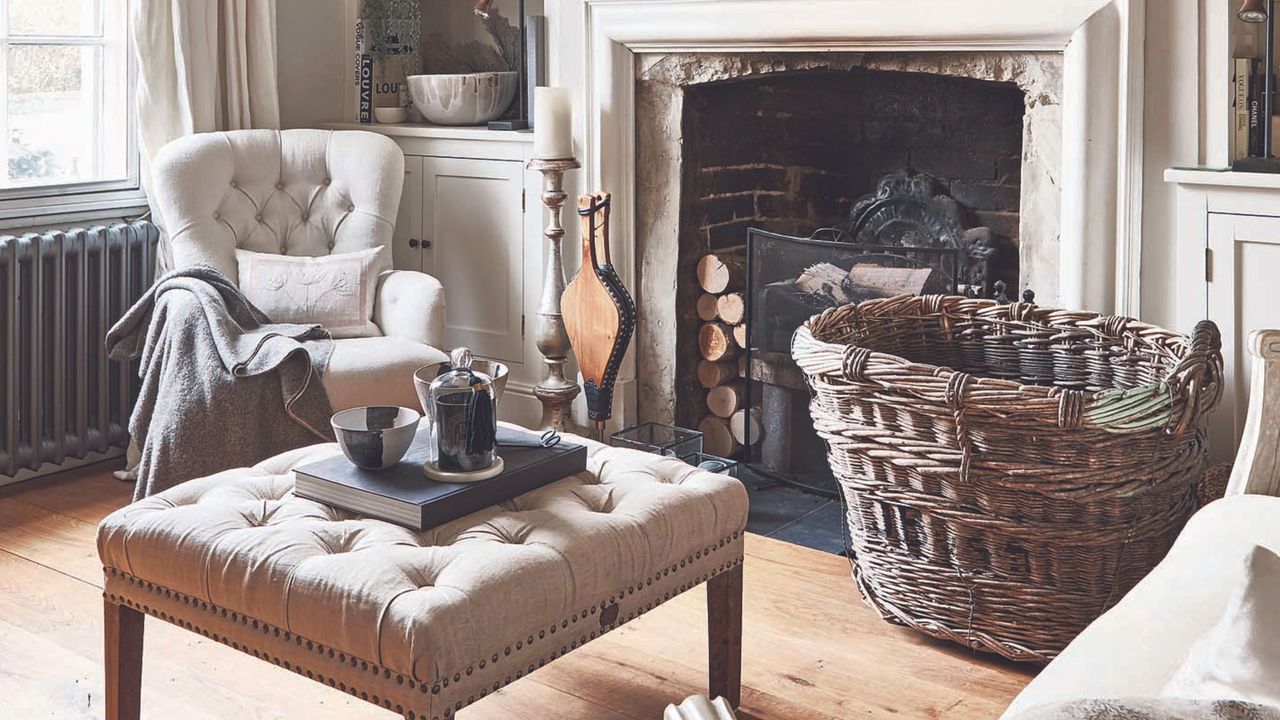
(556, 392)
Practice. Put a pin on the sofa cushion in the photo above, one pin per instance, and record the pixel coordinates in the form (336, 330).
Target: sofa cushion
(427, 604)
(376, 371)
(1239, 657)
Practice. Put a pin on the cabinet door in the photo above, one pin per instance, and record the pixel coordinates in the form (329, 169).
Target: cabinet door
(472, 217)
(1244, 253)
(406, 245)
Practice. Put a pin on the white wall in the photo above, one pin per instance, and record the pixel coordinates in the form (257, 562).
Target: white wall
(1171, 137)
(311, 36)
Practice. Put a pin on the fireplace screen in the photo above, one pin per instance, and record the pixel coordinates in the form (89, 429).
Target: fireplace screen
(905, 238)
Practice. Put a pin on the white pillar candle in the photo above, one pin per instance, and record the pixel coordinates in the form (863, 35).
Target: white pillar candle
(552, 123)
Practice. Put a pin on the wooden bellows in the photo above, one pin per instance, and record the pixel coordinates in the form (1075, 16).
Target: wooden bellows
(598, 311)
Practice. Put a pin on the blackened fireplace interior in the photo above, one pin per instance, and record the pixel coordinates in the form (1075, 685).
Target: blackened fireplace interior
(817, 154)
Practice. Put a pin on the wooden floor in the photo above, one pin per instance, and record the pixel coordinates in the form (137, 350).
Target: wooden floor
(811, 648)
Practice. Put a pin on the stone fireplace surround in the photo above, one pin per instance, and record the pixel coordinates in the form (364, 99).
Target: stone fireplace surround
(604, 43)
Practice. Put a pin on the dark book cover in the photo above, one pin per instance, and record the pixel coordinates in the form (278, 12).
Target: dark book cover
(1256, 82)
(403, 495)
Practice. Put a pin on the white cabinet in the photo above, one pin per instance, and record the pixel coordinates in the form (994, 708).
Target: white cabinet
(472, 227)
(406, 248)
(1228, 270)
(1243, 273)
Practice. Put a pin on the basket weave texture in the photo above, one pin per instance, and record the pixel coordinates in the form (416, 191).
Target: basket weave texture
(1009, 471)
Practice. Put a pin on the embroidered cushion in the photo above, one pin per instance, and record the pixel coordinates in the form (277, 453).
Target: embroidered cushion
(334, 291)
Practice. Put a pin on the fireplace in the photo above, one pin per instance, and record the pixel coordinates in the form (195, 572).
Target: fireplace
(1079, 69)
(791, 143)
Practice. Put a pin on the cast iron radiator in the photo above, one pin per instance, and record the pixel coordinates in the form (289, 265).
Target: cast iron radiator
(62, 401)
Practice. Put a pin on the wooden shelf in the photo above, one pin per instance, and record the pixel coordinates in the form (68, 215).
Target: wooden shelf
(1222, 178)
(441, 132)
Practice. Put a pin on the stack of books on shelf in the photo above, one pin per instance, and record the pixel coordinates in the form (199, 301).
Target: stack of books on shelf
(1247, 109)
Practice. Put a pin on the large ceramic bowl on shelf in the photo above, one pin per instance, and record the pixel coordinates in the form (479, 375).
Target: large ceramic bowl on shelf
(463, 99)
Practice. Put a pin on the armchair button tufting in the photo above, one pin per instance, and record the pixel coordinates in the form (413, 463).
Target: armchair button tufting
(306, 216)
(279, 186)
(258, 218)
(328, 181)
(216, 216)
(235, 184)
(351, 208)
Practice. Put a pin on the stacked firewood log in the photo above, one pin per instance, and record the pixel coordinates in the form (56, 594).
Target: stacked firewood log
(722, 308)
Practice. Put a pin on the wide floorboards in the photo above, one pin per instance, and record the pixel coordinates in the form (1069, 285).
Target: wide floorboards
(811, 648)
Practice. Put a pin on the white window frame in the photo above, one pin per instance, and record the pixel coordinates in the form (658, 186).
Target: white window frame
(92, 196)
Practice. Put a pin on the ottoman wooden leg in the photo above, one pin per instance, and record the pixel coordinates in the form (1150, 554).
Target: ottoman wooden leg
(123, 644)
(724, 621)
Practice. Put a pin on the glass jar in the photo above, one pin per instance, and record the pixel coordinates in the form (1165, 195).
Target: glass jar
(462, 413)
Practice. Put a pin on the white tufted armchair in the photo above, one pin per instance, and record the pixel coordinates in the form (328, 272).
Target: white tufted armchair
(310, 193)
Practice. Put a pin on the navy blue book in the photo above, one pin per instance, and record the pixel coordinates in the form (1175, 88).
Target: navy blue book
(404, 496)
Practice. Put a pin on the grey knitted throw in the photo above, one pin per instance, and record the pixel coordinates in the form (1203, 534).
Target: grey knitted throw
(222, 386)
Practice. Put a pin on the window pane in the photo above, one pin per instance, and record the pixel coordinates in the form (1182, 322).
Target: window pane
(54, 17)
(53, 115)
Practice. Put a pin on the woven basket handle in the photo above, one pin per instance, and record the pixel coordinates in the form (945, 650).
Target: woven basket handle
(1197, 378)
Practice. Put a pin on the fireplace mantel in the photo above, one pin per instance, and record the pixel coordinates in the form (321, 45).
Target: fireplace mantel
(597, 42)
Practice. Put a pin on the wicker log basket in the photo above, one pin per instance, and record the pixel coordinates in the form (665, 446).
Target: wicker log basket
(1006, 503)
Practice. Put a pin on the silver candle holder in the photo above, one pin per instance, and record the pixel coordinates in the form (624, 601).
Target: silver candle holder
(555, 392)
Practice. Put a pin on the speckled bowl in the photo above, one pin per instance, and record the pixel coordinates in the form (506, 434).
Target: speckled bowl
(463, 99)
(375, 437)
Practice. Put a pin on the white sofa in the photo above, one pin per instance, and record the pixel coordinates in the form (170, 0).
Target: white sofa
(310, 193)
(1134, 649)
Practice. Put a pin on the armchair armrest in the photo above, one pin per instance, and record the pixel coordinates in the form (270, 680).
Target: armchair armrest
(1257, 467)
(411, 305)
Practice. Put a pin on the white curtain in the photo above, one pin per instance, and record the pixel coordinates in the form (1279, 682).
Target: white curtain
(203, 65)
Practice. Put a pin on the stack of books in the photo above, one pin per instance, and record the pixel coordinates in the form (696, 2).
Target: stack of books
(1247, 108)
(404, 496)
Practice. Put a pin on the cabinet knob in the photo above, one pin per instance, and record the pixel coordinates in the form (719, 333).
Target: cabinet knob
(413, 242)
(426, 244)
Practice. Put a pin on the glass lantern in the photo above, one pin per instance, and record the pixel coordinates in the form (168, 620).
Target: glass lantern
(462, 413)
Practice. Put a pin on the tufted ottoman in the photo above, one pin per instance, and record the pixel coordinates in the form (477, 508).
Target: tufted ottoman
(421, 623)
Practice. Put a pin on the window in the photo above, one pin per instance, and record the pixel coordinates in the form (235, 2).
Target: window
(66, 107)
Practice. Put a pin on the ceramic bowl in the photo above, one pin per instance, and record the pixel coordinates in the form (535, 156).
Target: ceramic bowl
(423, 376)
(391, 115)
(375, 437)
(463, 99)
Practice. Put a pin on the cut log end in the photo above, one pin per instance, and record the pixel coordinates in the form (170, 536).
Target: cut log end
(722, 273)
(732, 308)
(707, 307)
(725, 400)
(716, 437)
(745, 426)
(716, 342)
(713, 374)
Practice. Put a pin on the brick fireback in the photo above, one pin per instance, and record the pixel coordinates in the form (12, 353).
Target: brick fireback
(792, 152)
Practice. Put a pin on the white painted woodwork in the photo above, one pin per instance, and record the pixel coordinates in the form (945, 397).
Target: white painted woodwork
(406, 241)
(1243, 296)
(1257, 466)
(1228, 253)
(472, 216)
